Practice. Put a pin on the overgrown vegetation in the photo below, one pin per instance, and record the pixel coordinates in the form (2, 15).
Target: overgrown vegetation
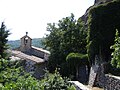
(75, 60)
(56, 82)
(13, 77)
(67, 45)
(102, 23)
(65, 37)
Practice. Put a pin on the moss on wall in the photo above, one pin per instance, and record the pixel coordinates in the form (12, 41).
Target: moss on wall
(102, 23)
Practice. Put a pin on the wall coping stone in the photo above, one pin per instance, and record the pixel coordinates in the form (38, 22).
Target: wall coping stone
(79, 86)
(117, 77)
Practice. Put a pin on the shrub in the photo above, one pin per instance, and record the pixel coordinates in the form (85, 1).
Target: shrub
(55, 82)
(116, 53)
(75, 60)
(13, 77)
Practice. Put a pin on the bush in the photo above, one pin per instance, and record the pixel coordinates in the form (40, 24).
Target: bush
(116, 53)
(13, 77)
(55, 82)
(75, 60)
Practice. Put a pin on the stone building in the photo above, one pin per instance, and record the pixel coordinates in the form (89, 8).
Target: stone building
(26, 47)
(34, 58)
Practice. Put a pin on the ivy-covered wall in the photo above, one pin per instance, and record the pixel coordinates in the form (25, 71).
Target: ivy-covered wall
(101, 1)
(102, 24)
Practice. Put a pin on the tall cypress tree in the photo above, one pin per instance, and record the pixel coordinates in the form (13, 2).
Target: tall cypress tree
(3, 40)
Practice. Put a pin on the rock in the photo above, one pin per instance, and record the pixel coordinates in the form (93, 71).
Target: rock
(96, 2)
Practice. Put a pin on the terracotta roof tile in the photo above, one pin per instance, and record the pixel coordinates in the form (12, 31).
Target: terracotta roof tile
(27, 57)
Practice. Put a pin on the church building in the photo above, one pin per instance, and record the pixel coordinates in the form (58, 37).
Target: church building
(35, 58)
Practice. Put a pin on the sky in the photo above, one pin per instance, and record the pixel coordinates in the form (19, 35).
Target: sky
(32, 16)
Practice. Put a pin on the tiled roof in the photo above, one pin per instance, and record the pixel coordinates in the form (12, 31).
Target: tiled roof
(27, 57)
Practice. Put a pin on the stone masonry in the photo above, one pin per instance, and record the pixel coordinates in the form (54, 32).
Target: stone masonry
(35, 58)
(98, 78)
(112, 82)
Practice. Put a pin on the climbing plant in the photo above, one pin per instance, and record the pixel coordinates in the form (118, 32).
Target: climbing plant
(75, 60)
(102, 22)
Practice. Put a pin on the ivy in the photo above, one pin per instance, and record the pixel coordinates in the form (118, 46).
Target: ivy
(102, 22)
(75, 60)
(116, 53)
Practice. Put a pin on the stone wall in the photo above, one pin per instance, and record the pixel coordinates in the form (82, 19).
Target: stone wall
(29, 65)
(98, 78)
(37, 53)
(112, 82)
(83, 74)
(25, 43)
(36, 69)
(39, 70)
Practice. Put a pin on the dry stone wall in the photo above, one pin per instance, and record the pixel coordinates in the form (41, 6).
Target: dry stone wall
(112, 82)
(98, 78)
(29, 65)
(36, 69)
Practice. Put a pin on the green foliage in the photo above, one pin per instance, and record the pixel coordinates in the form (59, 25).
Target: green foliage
(14, 44)
(37, 42)
(75, 60)
(55, 82)
(116, 53)
(13, 77)
(65, 37)
(3, 41)
(102, 22)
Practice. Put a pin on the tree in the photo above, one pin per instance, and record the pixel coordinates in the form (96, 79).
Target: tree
(65, 37)
(116, 53)
(3, 40)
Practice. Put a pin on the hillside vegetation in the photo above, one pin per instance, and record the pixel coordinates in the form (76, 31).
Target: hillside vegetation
(37, 42)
